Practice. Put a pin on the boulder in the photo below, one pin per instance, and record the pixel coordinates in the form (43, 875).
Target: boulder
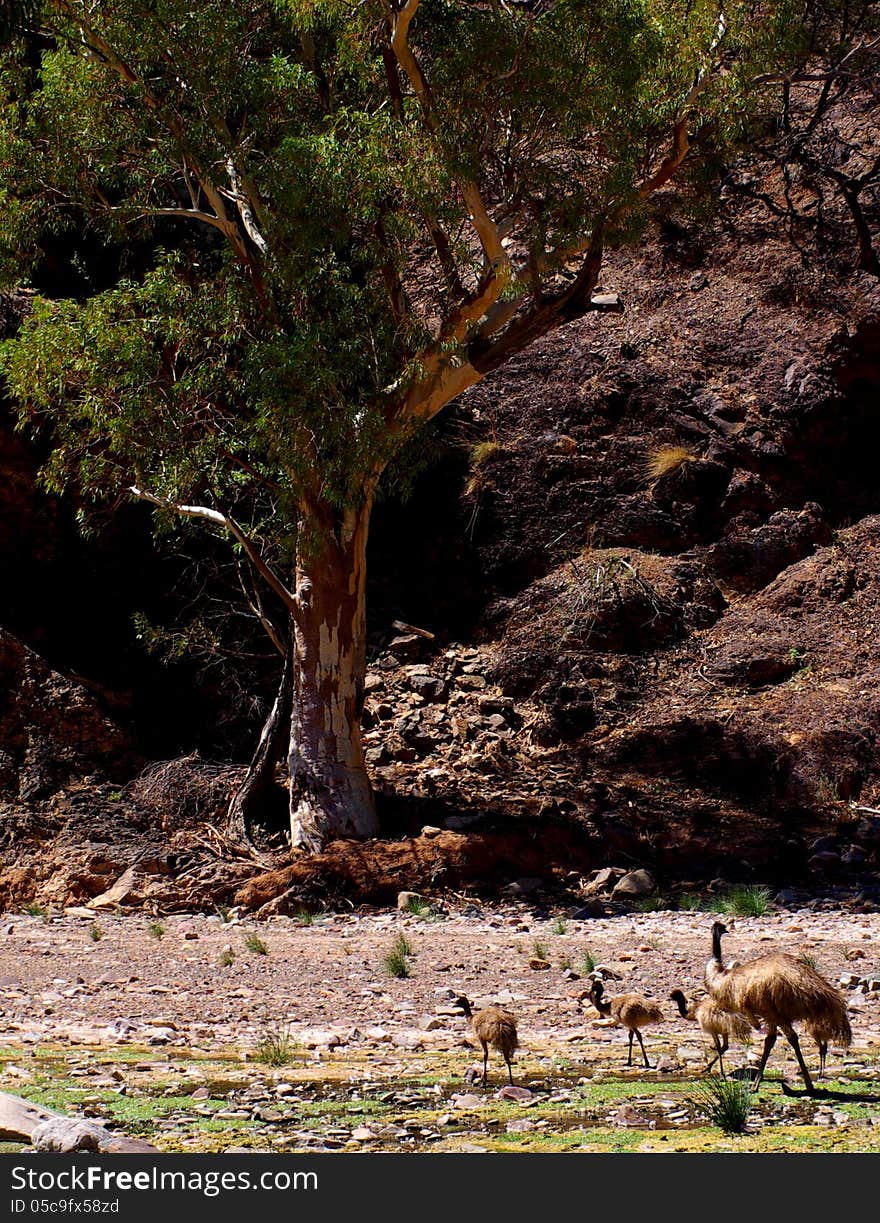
(633, 885)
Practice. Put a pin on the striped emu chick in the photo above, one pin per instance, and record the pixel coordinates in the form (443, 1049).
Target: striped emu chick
(494, 1026)
(719, 1025)
(631, 1011)
(775, 992)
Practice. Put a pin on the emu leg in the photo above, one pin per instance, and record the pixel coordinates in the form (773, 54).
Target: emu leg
(823, 1053)
(768, 1045)
(712, 1060)
(791, 1037)
(509, 1070)
(724, 1045)
(485, 1060)
(629, 1060)
(644, 1054)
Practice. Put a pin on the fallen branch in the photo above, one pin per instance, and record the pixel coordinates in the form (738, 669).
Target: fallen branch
(45, 1130)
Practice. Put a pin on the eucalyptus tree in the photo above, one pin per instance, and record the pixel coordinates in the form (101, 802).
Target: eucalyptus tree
(356, 209)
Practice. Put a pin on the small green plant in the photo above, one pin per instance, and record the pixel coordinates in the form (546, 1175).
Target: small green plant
(691, 902)
(726, 1102)
(418, 906)
(35, 910)
(254, 943)
(397, 960)
(827, 790)
(304, 917)
(588, 963)
(810, 960)
(156, 929)
(275, 1048)
(746, 900)
(95, 932)
(224, 913)
(651, 904)
(227, 957)
(116, 796)
(559, 926)
(565, 962)
(539, 950)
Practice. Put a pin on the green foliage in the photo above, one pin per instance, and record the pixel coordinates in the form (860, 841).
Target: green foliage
(229, 355)
(156, 930)
(95, 933)
(254, 943)
(745, 901)
(275, 1048)
(396, 962)
(651, 904)
(588, 963)
(726, 1102)
(227, 957)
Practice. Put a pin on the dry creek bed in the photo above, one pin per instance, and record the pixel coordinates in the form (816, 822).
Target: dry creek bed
(156, 1029)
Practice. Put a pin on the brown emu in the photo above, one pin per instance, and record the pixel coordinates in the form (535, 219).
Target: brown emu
(494, 1026)
(777, 991)
(631, 1011)
(720, 1025)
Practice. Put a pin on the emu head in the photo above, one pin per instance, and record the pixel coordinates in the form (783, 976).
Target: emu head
(463, 1004)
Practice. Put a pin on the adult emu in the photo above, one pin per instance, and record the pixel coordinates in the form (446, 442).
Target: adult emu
(777, 991)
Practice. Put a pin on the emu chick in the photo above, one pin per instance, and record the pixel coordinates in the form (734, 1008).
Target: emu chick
(495, 1026)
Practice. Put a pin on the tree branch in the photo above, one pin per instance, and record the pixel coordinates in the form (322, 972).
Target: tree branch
(228, 524)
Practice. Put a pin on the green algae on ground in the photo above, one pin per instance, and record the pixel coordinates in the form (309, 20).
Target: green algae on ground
(408, 1102)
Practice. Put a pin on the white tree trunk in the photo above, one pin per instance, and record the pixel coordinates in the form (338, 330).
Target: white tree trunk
(330, 792)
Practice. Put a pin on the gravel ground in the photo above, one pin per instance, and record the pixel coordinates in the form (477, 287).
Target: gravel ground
(328, 984)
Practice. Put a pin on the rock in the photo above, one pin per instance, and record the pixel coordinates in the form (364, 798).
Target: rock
(849, 980)
(592, 909)
(430, 830)
(538, 964)
(363, 1134)
(406, 899)
(634, 884)
(430, 1023)
(521, 1095)
(627, 1115)
(120, 1028)
(521, 1125)
(603, 880)
(201, 1093)
(430, 687)
(698, 281)
(467, 1101)
(161, 1036)
(123, 889)
(524, 886)
(66, 1134)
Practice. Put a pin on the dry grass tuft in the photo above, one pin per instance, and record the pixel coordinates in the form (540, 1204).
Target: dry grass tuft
(185, 791)
(666, 460)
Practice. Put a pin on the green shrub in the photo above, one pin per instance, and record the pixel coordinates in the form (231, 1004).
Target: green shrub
(726, 1102)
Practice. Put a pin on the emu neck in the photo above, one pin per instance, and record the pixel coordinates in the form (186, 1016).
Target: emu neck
(716, 948)
(603, 1007)
(466, 1007)
(682, 1007)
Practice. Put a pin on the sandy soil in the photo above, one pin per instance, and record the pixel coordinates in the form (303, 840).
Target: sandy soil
(328, 983)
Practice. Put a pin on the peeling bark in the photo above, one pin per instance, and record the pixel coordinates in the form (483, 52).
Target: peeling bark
(330, 792)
